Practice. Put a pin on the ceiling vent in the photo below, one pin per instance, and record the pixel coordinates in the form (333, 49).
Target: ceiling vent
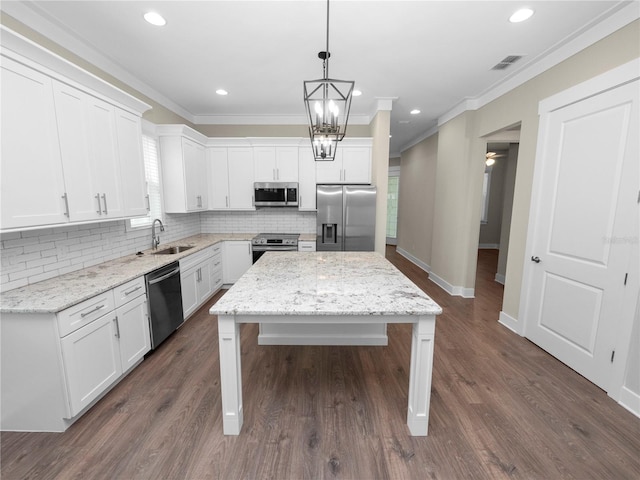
(506, 62)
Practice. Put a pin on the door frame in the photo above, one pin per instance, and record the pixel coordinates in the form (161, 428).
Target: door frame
(612, 79)
(393, 172)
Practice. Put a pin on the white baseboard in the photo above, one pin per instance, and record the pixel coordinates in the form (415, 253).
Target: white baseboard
(511, 323)
(453, 290)
(489, 246)
(414, 260)
(630, 400)
(499, 278)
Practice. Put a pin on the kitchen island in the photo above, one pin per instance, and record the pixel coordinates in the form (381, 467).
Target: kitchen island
(301, 288)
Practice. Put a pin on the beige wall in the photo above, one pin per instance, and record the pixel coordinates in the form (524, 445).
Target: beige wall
(490, 231)
(272, 130)
(380, 127)
(416, 198)
(521, 105)
(454, 228)
(507, 208)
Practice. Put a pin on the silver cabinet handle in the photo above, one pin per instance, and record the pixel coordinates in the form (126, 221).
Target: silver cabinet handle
(249, 245)
(148, 203)
(99, 307)
(275, 175)
(66, 205)
(104, 197)
(226, 200)
(117, 327)
(99, 211)
(129, 292)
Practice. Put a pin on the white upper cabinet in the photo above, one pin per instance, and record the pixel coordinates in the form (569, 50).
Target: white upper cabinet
(352, 164)
(132, 174)
(101, 126)
(231, 177)
(276, 164)
(184, 169)
(64, 148)
(32, 184)
(306, 179)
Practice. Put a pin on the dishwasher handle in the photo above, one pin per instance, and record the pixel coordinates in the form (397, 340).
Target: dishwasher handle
(155, 280)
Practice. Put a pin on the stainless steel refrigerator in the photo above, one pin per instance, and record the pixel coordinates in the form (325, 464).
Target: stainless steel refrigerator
(346, 218)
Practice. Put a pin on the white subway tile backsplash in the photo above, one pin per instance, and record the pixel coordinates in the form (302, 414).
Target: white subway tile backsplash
(35, 255)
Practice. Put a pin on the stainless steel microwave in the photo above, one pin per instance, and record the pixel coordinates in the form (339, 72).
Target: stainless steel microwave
(275, 194)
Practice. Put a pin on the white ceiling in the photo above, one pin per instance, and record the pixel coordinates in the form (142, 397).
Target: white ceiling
(429, 55)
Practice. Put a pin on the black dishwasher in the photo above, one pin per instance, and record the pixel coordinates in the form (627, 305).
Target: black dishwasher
(165, 302)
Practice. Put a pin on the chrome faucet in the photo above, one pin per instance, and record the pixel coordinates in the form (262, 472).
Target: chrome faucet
(155, 240)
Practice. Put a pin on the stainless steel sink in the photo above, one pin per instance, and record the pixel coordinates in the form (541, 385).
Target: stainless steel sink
(173, 250)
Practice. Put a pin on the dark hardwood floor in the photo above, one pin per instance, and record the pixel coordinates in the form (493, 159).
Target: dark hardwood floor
(500, 408)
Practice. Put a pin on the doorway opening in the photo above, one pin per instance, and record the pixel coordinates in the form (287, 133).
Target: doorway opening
(501, 161)
(392, 205)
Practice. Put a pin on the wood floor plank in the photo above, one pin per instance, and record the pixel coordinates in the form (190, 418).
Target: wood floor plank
(500, 408)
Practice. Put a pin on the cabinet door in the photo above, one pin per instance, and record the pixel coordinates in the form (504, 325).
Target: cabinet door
(81, 182)
(131, 159)
(265, 164)
(32, 182)
(92, 361)
(104, 156)
(189, 286)
(356, 165)
(240, 164)
(192, 175)
(218, 175)
(306, 180)
(204, 282)
(287, 164)
(330, 172)
(133, 330)
(237, 260)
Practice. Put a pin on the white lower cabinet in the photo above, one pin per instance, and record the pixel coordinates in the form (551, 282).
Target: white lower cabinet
(92, 361)
(237, 260)
(306, 246)
(56, 365)
(196, 279)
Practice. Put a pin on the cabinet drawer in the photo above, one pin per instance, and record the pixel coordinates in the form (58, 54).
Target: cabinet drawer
(193, 260)
(128, 291)
(306, 246)
(216, 261)
(73, 318)
(217, 249)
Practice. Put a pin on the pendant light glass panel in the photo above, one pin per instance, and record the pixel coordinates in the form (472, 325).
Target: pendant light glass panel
(328, 102)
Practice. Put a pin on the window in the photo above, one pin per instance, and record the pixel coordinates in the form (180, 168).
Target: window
(152, 174)
(485, 196)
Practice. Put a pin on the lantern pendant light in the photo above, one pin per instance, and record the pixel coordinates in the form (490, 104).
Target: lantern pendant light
(327, 102)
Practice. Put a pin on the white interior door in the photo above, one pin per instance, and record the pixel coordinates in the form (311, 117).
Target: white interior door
(584, 218)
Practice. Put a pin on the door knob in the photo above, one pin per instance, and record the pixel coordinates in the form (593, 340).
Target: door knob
(535, 259)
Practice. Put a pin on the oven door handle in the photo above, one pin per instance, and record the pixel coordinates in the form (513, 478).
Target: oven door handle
(274, 249)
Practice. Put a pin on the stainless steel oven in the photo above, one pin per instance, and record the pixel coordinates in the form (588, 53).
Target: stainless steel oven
(275, 242)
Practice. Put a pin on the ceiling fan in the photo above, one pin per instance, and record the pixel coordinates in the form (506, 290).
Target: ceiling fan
(491, 158)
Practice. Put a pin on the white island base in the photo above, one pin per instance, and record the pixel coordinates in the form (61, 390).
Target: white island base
(323, 334)
(325, 298)
(419, 372)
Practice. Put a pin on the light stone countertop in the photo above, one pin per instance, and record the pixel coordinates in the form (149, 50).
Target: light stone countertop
(324, 283)
(56, 294)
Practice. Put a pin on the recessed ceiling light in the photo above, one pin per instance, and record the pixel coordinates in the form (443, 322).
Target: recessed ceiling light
(390, 135)
(415, 111)
(521, 15)
(357, 93)
(154, 18)
(222, 91)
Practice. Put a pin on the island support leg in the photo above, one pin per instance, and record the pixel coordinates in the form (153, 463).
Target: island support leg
(420, 375)
(230, 374)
